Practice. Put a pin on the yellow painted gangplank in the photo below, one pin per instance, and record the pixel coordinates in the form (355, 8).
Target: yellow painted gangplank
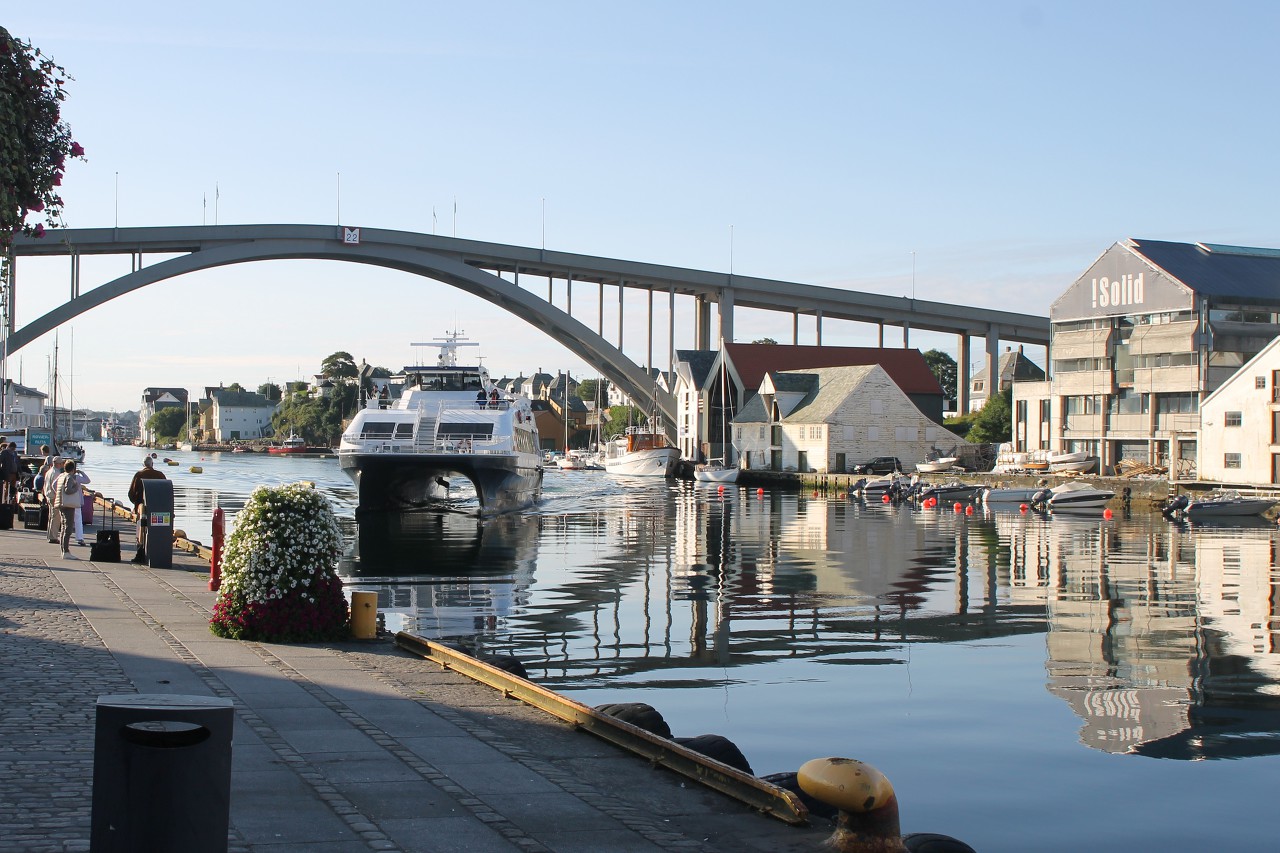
(745, 788)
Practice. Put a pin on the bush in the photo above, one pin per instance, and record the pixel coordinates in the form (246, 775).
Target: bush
(278, 577)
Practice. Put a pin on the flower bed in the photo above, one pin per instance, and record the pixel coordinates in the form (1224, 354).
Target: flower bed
(279, 581)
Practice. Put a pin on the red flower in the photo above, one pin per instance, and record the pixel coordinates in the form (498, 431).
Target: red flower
(39, 230)
(77, 150)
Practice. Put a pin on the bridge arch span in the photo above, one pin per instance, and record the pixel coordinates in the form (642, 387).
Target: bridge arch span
(557, 324)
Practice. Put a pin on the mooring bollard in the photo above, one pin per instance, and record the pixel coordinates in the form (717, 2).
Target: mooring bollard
(364, 615)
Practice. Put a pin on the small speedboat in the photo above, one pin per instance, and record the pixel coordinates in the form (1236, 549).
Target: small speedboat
(951, 492)
(1073, 495)
(723, 474)
(934, 466)
(1222, 504)
(1011, 495)
(892, 485)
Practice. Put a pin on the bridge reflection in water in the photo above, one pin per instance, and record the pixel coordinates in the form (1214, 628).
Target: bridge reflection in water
(969, 657)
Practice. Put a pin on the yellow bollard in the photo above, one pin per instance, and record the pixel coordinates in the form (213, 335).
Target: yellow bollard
(868, 807)
(364, 615)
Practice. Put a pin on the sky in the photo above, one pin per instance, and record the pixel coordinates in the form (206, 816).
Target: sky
(979, 153)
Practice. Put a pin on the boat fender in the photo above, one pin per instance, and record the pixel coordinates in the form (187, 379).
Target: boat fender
(787, 782)
(718, 747)
(507, 663)
(638, 714)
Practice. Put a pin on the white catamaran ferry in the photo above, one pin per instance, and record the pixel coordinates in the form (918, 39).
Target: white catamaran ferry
(450, 421)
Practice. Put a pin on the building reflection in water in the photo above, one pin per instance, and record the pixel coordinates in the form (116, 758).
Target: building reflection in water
(1161, 639)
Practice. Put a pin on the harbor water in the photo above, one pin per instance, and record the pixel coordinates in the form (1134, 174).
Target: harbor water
(1027, 682)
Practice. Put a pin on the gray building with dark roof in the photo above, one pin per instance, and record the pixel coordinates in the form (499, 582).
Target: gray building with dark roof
(1138, 341)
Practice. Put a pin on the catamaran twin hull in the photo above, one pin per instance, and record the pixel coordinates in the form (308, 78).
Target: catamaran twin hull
(396, 482)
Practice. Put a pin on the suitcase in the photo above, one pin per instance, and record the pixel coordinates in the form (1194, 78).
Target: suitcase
(106, 548)
(33, 517)
(7, 512)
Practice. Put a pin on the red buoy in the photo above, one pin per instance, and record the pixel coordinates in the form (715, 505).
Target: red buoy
(968, 510)
(760, 491)
(1022, 508)
(884, 499)
(957, 507)
(1106, 513)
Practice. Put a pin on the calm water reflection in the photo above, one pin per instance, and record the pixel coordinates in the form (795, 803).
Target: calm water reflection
(1027, 683)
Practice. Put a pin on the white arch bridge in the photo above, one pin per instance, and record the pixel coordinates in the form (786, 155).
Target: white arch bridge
(504, 275)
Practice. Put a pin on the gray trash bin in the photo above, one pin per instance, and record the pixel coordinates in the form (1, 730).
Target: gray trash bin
(161, 774)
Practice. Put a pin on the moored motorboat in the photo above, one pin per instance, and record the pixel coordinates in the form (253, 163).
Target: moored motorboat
(1222, 504)
(449, 421)
(293, 444)
(1073, 495)
(716, 473)
(642, 451)
(951, 492)
(1009, 495)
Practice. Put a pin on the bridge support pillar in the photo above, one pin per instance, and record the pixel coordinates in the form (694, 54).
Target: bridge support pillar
(725, 310)
(963, 377)
(817, 326)
(993, 361)
(702, 323)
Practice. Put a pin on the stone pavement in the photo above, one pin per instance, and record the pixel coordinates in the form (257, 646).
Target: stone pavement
(341, 747)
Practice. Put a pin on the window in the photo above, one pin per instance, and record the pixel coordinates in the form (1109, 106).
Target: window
(1259, 382)
(1183, 404)
(1232, 419)
(1231, 460)
(977, 384)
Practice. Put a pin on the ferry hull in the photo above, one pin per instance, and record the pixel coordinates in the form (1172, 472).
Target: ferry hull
(395, 482)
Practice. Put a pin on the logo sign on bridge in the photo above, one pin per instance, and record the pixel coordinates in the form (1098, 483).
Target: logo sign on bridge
(351, 236)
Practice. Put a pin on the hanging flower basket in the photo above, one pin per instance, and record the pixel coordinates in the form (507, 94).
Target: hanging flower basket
(279, 583)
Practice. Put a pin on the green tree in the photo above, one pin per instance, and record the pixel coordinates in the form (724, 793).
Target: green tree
(621, 417)
(340, 365)
(34, 140)
(944, 367)
(994, 423)
(235, 387)
(166, 424)
(587, 388)
(764, 341)
(271, 391)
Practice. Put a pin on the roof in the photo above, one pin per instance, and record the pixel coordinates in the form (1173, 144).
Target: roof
(825, 390)
(1015, 366)
(906, 367)
(23, 390)
(150, 395)
(700, 363)
(241, 399)
(1216, 270)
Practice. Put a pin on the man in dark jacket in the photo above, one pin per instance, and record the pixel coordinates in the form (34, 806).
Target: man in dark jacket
(138, 499)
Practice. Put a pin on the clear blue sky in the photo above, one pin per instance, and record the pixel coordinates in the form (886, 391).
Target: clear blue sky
(1006, 144)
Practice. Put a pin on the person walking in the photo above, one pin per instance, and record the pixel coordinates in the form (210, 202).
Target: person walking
(68, 497)
(83, 480)
(137, 496)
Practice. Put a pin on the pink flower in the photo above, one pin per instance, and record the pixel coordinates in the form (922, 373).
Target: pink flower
(35, 206)
(77, 150)
(39, 230)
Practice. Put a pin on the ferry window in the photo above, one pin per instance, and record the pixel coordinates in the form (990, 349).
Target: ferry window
(377, 429)
(480, 429)
(1231, 460)
(404, 430)
(1232, 419)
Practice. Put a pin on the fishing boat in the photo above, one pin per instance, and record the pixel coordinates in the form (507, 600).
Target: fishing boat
(293, 444)
(641, 451)
(1073, 495)
(450, 421)
(1219, 504)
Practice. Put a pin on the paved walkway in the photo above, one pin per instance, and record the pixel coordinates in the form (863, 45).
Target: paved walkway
(347, 747)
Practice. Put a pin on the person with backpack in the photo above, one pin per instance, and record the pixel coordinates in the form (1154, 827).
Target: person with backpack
(68, 497)
(9, 464)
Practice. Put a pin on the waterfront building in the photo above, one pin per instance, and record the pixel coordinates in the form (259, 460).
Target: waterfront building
(155, 400)
(24, 407)
(1139, 341)
(828, 419)
(702, 398)
(239, 415)
(1240, 424)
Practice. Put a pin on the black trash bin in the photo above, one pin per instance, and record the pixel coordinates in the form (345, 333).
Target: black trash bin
(161, 774)
(158, 497)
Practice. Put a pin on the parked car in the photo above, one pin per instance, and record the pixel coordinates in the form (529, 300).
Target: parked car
(879, 465)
